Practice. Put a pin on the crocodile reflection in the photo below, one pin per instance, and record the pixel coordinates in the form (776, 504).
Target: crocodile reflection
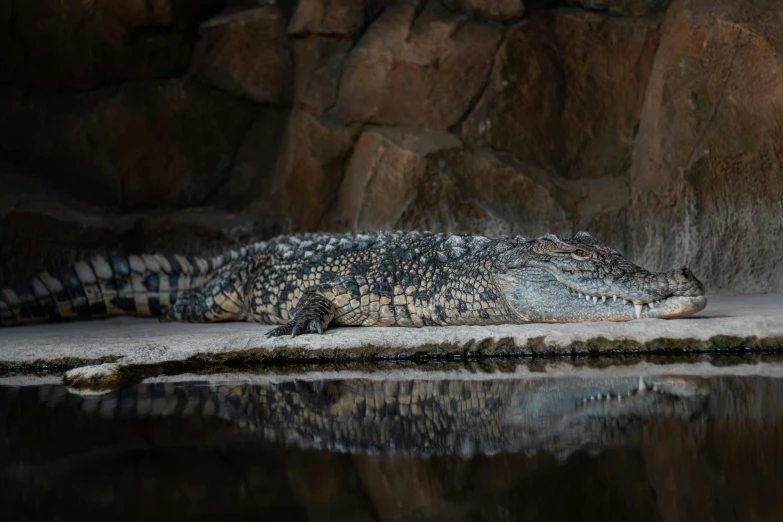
(419, 416)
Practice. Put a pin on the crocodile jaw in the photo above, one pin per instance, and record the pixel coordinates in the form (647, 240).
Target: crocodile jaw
(537, 296)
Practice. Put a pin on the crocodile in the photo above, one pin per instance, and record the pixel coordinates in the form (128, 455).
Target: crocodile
(411, 416)
(307, 282)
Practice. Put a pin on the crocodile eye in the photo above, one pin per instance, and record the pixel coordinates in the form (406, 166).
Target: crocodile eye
(580, 254)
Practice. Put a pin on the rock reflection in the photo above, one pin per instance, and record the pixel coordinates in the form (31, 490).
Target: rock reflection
(664, 448)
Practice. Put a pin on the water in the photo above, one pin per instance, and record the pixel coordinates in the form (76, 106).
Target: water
(437, 446)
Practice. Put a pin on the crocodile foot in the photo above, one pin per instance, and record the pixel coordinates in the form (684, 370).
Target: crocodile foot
(312, 314)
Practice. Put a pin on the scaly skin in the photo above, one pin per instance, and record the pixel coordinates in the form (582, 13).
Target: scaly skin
(308, 282)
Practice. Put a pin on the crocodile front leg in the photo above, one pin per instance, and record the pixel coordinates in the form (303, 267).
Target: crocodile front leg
(345, 301)
(312, 314)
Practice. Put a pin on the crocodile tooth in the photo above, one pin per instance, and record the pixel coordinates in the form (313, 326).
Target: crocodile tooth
(587, 298)
(592, 397)
(595, 299)
(603, 298)
(637, 310)
(625, 301)
(641, 387)
(580, 294)
(619, 396)
(651, 305)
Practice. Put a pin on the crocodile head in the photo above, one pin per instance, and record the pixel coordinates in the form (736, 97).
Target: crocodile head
(551, 279)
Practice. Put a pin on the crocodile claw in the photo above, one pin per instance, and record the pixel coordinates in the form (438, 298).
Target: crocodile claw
(279, 331)
(297, 328)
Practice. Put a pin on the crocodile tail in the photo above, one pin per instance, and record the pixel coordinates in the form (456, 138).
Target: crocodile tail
(106, 286)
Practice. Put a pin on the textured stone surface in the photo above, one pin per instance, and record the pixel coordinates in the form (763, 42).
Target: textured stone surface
(331, 17)
(164, 144)
(566, 93)
(314, 159)
(625, 7)
(319, 63)
(257, 164)
(247, 53)
(478, 190)
(496, 9)
(419, 69)
(386, 166)
(146, 341)
(707, 173)
(80, 43)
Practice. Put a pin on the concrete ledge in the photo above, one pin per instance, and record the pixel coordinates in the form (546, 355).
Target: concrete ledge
(736, 322)
(768, 367)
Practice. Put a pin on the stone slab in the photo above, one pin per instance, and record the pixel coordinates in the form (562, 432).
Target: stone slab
(521, 371)
(146, 341)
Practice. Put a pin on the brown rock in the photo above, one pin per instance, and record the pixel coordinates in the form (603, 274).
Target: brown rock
(328, 17)
(440, 205)
(60, 135)
(254, 172)
(79, 44)
(626, 7)
(495, 9)
(601, 207)
(166, 144)
(247, 53)
(526, 198)
(315, 153)
(178, 156)
(566, 92)
(707, 175)
(477, 191)
(380, 180)
(286, 7)
(248, 4)
(419, 70)
(319, 63)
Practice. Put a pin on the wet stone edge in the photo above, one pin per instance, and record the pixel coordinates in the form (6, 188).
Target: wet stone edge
(52, 366)
(111, 373)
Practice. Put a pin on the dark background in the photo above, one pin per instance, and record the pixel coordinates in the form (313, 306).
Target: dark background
(193, 125)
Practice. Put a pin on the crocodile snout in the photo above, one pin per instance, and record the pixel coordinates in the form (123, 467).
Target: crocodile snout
(682, 282)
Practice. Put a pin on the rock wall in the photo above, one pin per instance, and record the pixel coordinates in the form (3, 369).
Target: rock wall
(193, 125)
